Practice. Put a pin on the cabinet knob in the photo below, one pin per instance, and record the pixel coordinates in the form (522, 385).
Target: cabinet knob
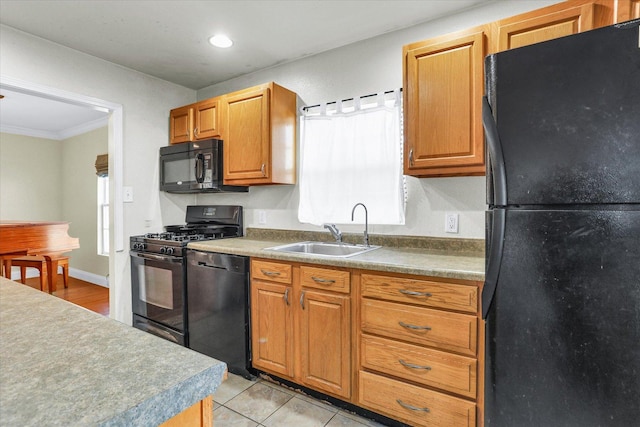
(411, 157)
(262, 169)
(302, 300)
(195, 131)
(286, 296)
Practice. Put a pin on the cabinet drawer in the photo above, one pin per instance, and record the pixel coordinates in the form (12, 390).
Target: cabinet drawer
(422, 292)
(445, 371)
(324, 278)
(448, 331)
(272, 271)
(413, 405)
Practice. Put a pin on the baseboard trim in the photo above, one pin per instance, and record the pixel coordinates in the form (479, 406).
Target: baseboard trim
(96, 279)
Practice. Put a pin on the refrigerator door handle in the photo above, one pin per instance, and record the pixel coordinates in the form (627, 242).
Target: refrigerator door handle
(494, 259)
(495, 153)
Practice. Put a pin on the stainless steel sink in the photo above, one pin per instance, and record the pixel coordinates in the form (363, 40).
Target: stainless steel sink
(336, 250)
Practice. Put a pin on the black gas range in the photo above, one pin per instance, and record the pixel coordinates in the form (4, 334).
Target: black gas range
(202, 223)
(158, 268)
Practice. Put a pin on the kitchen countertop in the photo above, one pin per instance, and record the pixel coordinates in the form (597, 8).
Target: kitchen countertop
(64, 365)
(418, 261)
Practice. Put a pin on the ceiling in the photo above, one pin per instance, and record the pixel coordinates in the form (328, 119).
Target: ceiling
(169, 39)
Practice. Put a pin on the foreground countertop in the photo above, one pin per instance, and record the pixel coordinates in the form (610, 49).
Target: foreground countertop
(417, 261)
(63, 365)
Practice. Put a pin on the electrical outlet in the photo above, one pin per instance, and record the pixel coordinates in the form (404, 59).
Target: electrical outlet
(451, 222)
(262, 217)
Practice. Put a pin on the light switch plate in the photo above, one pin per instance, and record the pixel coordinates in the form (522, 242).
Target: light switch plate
(262, 217)
(127, 194)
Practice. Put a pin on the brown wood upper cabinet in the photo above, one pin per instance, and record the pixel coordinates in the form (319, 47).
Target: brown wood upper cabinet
(627, 10)
(181, 124)
(207, 120)
(258, 127)
(559, 20)
(259, 131)
(195, 122)
(443, 83)
(537, 26)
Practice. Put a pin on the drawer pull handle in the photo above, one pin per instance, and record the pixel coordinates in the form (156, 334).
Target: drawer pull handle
(323, 281)
(415, 327)
(411, 407)
(269, 273)
(286, 296)
(412, 366)
(415, 293)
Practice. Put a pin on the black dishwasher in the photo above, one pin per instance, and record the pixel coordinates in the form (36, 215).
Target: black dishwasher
(218, 308)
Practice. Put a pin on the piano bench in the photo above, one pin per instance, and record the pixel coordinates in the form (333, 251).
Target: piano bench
(5, 262)
(40, 263)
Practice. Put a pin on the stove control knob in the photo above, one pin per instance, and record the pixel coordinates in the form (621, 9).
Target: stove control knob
(169, 251)
(163, 250)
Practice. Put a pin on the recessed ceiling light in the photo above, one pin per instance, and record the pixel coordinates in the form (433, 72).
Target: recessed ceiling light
(220, 40)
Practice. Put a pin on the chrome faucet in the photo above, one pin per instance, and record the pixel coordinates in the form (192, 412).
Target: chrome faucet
(337, 234)
(366, 222)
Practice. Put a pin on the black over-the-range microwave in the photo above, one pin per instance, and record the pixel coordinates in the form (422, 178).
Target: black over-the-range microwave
(194, 167)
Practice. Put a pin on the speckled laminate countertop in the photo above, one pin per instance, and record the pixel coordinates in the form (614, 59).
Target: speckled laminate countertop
(63, 365)
(419, 261)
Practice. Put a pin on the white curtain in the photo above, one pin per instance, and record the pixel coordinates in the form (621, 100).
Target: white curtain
(352, 155)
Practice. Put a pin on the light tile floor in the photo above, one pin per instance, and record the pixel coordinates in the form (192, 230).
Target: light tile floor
(239, 402)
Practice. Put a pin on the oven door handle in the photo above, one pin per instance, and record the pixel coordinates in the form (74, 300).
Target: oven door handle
(166, 258)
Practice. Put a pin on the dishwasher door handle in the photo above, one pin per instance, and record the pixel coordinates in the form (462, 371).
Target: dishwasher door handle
(215, 267)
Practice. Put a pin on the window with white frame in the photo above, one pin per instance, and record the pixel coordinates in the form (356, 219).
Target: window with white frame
(352, 153)
(103, 215)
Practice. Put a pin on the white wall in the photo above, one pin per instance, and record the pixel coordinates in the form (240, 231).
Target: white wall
(145, 101)
(30, 178)
(80, 200)
(363, 68)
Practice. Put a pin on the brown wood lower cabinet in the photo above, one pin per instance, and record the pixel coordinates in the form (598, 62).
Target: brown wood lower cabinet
(200, 414)
(301, 325)
(449, 331)
(446, 371)
(406, 347)
(414, 405)
(272, 327)
(325, 342)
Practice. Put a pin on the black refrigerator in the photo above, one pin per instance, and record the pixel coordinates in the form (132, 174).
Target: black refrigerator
(561, 297)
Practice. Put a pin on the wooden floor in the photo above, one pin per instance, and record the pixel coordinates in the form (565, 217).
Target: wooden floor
(85, 294)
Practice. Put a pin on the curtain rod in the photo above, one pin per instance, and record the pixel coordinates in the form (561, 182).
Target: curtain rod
(348, 99)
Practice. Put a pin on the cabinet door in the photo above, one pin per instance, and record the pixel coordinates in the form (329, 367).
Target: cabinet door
(181, 124)
(272, 327)
(627, 10)
(325, 342)
(246, 137)
(539, 26)
(444, 86)
(206, 119)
